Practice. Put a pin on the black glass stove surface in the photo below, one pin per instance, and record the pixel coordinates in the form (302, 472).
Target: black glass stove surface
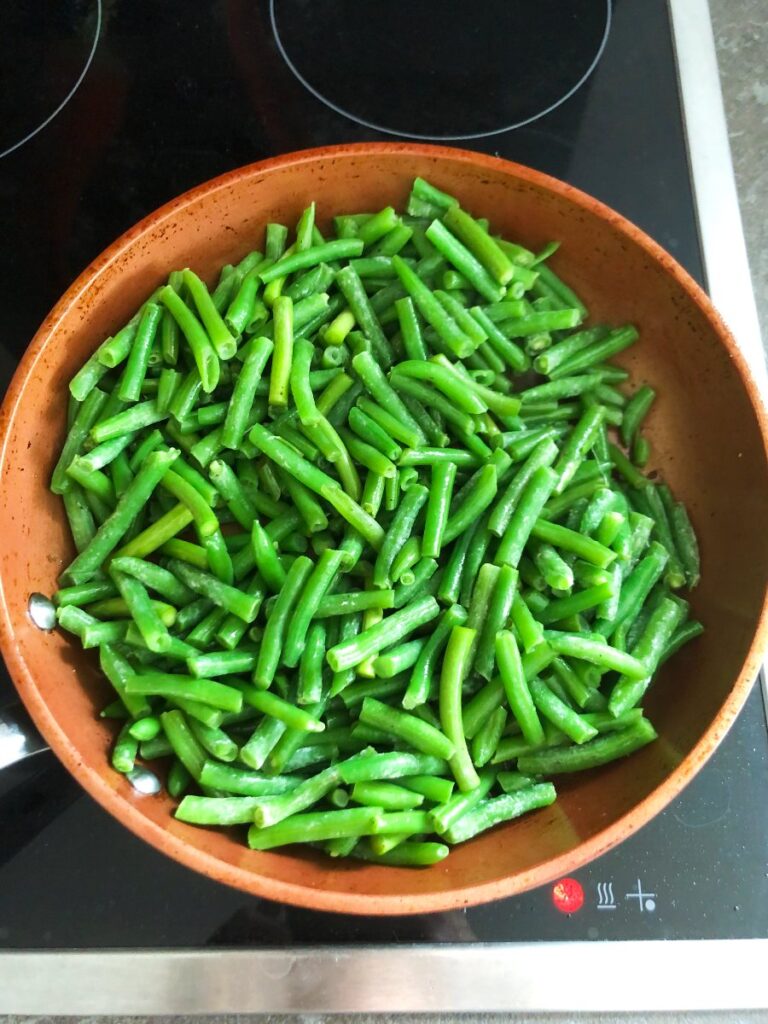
(175, 94)
(439, 69)
(46, 50)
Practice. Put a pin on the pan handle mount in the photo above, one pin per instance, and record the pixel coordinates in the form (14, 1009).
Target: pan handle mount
(19, 739)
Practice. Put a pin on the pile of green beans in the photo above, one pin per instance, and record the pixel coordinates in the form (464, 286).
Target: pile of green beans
(364, 542)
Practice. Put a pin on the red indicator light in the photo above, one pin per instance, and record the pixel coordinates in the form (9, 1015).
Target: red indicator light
(568, 895)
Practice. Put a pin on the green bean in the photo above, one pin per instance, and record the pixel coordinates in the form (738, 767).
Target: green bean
(218, 332)
(455, 664)
(641, 451)
(370, 432)
(244, 606)
(221, 663)
(444, 816)
(312, 827)
(194, 554)
(486, 740)
(129, 389)
(524, 519)
(93, 482)
(635, 412)
(410, 329)
(384, 634)
(125, 750)
(574, 604)
(317, 585)
(595, 651)
(79, 517)
(599, 751)
(569, 540)
(205, 810)
(426, 456)
(399, 531)
(311, 665)
(575, 688)
(183, 741)
(336, 393)
(144, 728)
(555, 571)
(230, 779)
(266, 557)
(686, 544)
(87, 415)
(407, 557)
(386, 795)
(302, 259)
(649, 649)
(496, 619)
(516, 688)
(108, 535)
(682, 635)
(289, 460)
(262, 742)
(397, 659)
(432, 311)
(203, 352)
(354, 515)
(128, 422)
(364, 313)
(543, 453)
(417, 733)
(354, 601)
(368, 455)
(244, 392)
(395, 417)
(118, 670)
(214, 740)
(272, 645)
(429, 397)
(615, 342)
(173, 687)
(85, 593)
(480, 244)
(271, 704)
(424, 579)
(501, 808)
(635, 589)
(578, 444)
(204, 517)
(369, 766)
(527, 628)
(282, 355)
(464, 261)
(473, 502)
(560, 714)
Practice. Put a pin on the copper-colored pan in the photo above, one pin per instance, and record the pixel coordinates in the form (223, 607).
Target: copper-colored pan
(708, 435)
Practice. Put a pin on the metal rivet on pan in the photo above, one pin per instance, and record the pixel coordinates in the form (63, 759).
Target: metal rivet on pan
(144, 781)
(42, 611)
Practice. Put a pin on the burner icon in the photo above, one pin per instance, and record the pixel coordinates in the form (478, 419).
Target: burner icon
(646, 901)
(605, 898)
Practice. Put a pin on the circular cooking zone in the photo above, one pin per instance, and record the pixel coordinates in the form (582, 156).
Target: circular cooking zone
(441, 69)
(46, 48)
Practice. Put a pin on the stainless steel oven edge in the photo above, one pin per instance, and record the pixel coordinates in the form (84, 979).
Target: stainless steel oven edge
(639, 975)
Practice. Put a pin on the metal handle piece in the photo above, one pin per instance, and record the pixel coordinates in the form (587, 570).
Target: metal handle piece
(19, 738)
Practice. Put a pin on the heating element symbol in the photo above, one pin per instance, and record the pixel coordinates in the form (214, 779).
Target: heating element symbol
(605, 899)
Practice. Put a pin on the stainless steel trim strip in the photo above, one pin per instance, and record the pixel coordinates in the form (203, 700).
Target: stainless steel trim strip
(642, 976)
(717, 201)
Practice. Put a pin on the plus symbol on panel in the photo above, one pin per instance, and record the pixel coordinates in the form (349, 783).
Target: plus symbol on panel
(646, 901)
